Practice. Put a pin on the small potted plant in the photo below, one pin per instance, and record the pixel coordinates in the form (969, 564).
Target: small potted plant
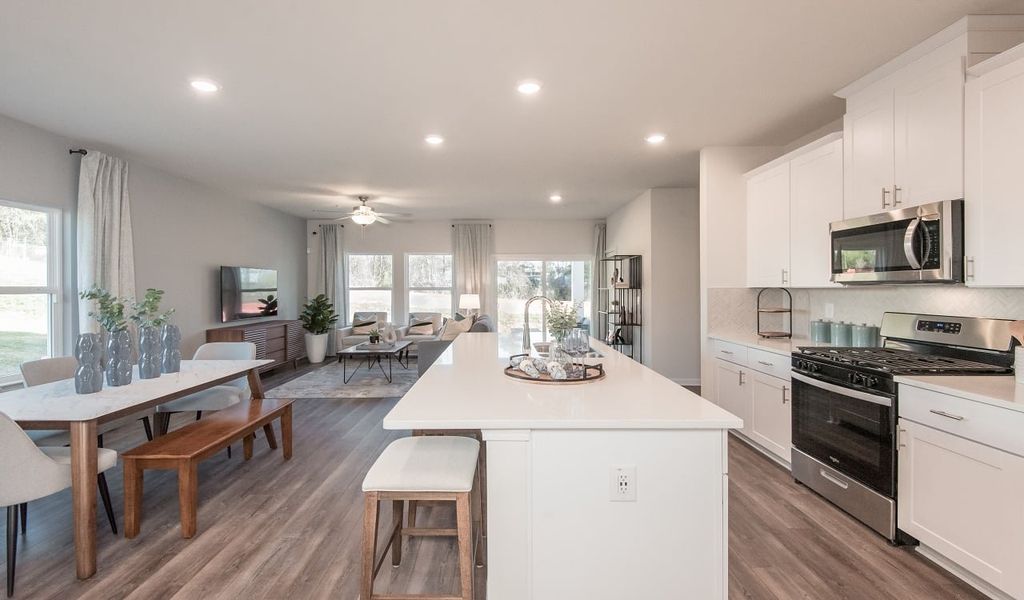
(318, 319)
(375, 336)
(562, 318)
(147, 317)
(109, 313)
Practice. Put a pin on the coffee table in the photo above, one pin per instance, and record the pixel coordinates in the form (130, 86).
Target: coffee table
(373, 354)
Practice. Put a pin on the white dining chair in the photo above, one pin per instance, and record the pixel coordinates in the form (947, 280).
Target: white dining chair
(31, 472)
(49, 370)
(218, 397)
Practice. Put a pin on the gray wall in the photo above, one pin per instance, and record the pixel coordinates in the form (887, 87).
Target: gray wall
(183, 230)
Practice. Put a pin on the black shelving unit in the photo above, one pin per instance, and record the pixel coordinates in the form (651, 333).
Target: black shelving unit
(620, 304)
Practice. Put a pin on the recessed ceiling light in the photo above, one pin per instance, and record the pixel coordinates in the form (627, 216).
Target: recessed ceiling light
(528, 87)
(434, 139)
(555, 197)
(655, 138)
(204, 85)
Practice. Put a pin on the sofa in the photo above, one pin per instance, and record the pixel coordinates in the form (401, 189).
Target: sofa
(346, 336)
(429, 350)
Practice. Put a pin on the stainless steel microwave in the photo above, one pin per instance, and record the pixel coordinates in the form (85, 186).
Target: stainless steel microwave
(918, 244)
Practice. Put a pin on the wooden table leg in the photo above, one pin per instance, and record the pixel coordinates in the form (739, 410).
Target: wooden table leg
(255, 384)
(286, 432)
(188, 496)
(83, 495)
(247, 447)
(268, 430)
(133, 475)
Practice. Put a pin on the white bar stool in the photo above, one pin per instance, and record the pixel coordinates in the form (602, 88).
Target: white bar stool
(432, 468)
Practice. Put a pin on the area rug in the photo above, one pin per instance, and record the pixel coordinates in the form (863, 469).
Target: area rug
(328, 382)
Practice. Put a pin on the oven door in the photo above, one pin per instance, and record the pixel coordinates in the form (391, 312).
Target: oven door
(917, 244)
(849, 430)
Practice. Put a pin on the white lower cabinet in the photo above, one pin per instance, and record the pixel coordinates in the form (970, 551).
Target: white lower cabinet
(733, 391)
(771, 418)
(964, 500)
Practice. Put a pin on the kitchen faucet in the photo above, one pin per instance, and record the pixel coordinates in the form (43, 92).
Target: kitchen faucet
(526, 319)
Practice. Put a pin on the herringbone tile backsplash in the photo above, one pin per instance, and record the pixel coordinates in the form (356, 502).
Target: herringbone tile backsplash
(732, 309)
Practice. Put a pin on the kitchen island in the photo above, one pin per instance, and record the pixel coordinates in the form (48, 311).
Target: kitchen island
(559, 525)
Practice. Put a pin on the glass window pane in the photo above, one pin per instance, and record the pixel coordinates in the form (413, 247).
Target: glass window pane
(24, 330)
(439, 301)
(518, 281)
(369, 301)
(369, 270)
(24, 235)
(430, 270)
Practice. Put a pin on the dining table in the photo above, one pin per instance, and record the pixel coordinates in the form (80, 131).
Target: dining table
(57, 406)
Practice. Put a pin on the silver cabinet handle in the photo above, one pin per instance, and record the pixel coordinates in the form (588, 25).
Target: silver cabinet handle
(742, 382)
(899, 438)
(785, 276)
(726, 351)
(885, 198)
(765, 363)
(829, 477)
(943, 413)
(970, 268)
(896, 195)
(784, 390)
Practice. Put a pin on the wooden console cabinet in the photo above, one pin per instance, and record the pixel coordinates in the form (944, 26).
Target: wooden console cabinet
(281, 341)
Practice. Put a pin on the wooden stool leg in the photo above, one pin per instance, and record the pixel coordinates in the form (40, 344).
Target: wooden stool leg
(247, 446)
(132, 498)
(478, 539)
(481, 469)
(413, 505)
(397, 508)
(286, 432)
(188, 496)
(465, 528)
(370, 517)
(268, 429)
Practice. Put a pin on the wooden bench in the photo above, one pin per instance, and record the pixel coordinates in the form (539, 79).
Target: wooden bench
(183, 449)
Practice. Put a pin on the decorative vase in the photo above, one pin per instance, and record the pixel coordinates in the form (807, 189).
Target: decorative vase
(119, 358)
(170, 358)
(149, 352)
(390, 335)
(89, 374)
(316, 347)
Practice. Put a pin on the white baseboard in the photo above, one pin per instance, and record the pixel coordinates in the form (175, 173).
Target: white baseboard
(690, 382)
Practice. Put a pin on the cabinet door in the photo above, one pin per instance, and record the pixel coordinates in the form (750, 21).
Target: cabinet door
(994, 200)
(868, 155)
(732, 385)
(963, 499)
(768, 228)
(815, 200)
(771, 418)
(929, 126)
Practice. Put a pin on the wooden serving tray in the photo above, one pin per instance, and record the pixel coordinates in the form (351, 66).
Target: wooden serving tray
(591, 374)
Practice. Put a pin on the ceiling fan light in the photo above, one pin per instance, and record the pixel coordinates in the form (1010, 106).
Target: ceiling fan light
(364, 218)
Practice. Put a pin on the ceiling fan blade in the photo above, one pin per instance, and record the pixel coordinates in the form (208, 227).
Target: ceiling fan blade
(383, 220)
(387, 214)
(343, 218)
(333, 210)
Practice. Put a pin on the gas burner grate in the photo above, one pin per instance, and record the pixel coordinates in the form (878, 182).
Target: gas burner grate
(901, 362)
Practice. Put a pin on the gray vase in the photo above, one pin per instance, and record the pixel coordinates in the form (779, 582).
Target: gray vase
(149, 352)
(119, 358)
(89, 374)
(170, 359)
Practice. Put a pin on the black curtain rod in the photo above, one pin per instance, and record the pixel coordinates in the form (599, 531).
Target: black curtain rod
(81, 151)
(489, 225)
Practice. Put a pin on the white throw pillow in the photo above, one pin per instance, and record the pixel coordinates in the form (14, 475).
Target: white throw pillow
(453, 328)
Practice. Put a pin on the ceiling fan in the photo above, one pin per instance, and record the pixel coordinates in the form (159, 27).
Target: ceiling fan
(365, 215)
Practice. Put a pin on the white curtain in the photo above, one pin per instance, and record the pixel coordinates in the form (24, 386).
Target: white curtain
(600, 248)
(472, 254)
(331, 279)
(106, 256)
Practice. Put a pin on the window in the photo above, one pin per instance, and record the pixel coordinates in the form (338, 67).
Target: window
(562, 280)
(370, 279)
(30, 291)
(430, 283)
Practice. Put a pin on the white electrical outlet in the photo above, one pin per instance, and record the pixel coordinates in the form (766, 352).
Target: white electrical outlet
(622, 483)
(830, 310)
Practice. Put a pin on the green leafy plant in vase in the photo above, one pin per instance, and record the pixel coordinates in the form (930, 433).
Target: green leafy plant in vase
(109, 312)
(374, 336)
(318, 319)
(147, 317)
(562, 318)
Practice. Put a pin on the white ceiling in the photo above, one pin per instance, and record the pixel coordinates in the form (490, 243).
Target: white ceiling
(322, 98)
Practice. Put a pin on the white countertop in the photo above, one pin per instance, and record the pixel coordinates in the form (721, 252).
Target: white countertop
(997, 390)
(58, 402)
(467, 389)
(784, 346)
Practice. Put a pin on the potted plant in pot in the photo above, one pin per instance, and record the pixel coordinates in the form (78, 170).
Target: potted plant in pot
(147, 317)
(318, 319)
(109, 313)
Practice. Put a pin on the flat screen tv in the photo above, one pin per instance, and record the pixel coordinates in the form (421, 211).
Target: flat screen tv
(247, 293)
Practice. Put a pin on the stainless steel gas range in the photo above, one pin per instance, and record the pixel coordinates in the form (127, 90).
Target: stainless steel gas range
(845, 405)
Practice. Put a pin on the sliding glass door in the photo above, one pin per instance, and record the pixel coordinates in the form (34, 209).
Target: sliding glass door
(561, 279)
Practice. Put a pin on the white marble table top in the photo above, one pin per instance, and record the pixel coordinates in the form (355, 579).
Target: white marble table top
(58, 402)
(467, 389)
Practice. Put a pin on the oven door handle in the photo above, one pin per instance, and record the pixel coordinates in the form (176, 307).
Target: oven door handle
(908, 244)
(842, 391)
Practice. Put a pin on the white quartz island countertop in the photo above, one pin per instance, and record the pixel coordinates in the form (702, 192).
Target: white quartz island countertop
(467, 389)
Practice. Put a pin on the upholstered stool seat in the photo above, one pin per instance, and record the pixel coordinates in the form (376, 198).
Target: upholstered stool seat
(423, 468)
(425, 464)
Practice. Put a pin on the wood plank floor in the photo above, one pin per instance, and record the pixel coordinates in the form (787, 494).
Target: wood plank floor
(269, 529)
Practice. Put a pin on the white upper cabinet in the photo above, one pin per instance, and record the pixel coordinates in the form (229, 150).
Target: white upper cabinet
(815, 200)
(768, 227)
(994, 201)
(869, 149)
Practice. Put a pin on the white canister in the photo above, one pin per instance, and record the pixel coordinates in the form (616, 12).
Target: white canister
(1018, 364)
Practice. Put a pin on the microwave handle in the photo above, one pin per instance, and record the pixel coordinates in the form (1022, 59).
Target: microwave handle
(908, 244)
